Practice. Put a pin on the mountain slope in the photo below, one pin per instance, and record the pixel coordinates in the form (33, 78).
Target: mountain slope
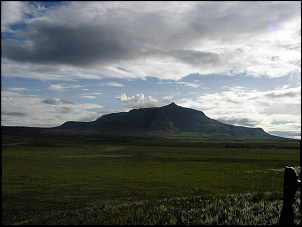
(167, 119)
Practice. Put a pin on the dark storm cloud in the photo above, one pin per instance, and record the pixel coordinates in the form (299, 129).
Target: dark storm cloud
(132, 34)
(81, 45)
(196, 57)
(213, 37)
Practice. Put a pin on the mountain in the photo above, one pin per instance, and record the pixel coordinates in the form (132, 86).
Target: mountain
(167, 119)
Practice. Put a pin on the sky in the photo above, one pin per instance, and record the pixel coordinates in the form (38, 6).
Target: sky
(239, 62)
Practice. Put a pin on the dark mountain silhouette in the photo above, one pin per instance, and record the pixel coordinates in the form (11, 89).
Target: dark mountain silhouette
(167, 119)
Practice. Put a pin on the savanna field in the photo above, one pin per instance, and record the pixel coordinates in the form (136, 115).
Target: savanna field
(75, 180)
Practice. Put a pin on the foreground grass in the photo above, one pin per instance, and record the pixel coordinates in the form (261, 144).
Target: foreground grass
(238, 209)
(51, 182)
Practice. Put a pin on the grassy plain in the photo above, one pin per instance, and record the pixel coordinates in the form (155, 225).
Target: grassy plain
(47, 178)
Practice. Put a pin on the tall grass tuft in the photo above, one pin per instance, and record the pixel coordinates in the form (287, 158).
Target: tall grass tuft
(235, 209)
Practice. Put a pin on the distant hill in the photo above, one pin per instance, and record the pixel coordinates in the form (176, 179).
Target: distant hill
(164, 120)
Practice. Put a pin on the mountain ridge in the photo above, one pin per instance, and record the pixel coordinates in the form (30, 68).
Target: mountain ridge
(166, 119)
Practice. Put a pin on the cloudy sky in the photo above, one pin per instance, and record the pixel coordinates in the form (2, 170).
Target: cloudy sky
(238, 62)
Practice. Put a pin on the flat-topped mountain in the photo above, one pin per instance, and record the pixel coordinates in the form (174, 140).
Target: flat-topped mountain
(167, 119)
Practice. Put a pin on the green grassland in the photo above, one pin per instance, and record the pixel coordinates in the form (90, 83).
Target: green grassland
(76, 180)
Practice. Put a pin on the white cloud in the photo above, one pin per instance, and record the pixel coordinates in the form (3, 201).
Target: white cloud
(13, 69)
(18, 89)
(89, 97)
(112, 84)
(187, 84)
(37, 112)
(9, 94)
(273, 110)
(62, 87)
(140, 101)
(11, 13)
